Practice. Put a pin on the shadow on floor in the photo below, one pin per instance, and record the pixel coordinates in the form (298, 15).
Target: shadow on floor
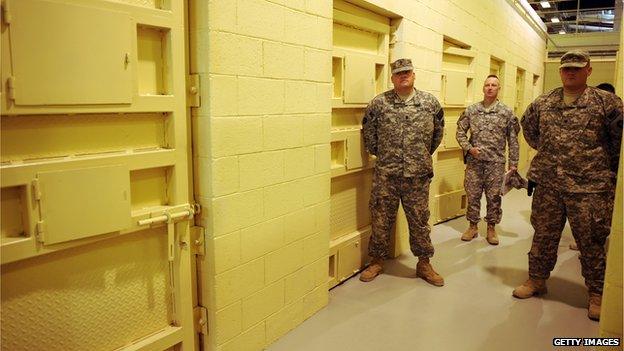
(559, 289)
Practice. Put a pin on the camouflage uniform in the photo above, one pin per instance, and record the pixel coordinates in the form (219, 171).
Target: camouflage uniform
(575, 166)
(403, 135)
(490, 129)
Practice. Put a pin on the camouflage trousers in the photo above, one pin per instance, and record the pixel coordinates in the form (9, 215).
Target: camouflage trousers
(484, 176)
(413, 192)
(589, 215)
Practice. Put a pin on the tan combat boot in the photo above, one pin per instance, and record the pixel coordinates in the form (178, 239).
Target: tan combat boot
(425, 271)
(530, 288)
(470, 233)
(491, 238)
(374, 269)
(593, 311)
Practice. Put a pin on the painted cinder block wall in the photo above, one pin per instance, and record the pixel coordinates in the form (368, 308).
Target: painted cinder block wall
(262, 163)
(261, 142)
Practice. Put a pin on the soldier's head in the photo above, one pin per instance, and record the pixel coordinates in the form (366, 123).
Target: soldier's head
(491, 86)
(402, 74)
(574, 70)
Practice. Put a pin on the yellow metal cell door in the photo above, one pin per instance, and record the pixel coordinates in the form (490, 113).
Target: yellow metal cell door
(97, 244)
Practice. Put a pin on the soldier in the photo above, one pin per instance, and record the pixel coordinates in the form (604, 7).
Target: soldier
(402, 127)
(577, 131)
(492, 125)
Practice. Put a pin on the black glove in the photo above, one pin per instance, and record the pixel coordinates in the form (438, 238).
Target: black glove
(531, 186)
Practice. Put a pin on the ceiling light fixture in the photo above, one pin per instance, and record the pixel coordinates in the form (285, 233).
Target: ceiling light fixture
(545, 4)
(554, 20)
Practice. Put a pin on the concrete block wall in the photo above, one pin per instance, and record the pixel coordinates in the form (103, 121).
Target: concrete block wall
(262, 133)
(491, 28)
(262, 156)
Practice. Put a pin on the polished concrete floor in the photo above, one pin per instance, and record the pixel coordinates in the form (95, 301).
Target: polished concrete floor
(473, 311)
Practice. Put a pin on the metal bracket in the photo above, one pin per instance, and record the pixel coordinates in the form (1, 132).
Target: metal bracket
(11, 88)
(198, 237)
(201, 319)
(167, 216)
(193, 96)
(36, 189)
(196, 208)
(6, 12)
(40, 231)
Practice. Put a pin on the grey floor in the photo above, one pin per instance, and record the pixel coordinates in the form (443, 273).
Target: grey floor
(473, 311)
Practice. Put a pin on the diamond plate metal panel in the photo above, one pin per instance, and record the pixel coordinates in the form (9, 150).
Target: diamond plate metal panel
(95, 297)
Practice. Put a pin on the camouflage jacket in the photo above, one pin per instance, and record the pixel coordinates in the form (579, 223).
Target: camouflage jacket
(403, 134)
(490, 130)
(578, 145)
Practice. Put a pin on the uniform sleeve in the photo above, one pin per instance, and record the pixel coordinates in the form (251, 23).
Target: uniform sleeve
(613, 110)
(369, 128)
(530, 126)
(512, 140)
(463, 125)
(438, 128)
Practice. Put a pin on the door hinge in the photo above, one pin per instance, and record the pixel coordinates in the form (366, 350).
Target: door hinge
(198, 238)
(11, 88)
(40, 231)
(36, 189)
(193, 86)
(201, 319)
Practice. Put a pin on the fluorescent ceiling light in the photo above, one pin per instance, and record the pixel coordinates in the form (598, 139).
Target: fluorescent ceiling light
(554, 20)
(562, 32)
(545, 4)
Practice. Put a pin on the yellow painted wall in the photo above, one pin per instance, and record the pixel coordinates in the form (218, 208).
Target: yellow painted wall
(262, 159)
(611, 316)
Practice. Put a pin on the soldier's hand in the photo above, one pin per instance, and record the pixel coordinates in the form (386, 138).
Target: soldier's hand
(474, 151)
(513, 168)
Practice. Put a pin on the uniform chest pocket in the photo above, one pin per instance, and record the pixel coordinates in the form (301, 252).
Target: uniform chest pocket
(485, 123)
(576, 119)
(550, 120)
(421, 121)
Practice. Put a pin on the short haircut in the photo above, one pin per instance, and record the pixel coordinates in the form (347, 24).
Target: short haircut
(606, 87)
(492, 76)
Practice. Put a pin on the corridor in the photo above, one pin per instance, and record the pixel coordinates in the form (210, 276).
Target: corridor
(473, 311)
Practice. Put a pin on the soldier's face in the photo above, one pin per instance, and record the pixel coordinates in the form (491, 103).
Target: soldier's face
(574, 77)
(403, 79)
(491, 86)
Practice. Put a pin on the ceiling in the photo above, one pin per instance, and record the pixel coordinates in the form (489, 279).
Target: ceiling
(576, 16)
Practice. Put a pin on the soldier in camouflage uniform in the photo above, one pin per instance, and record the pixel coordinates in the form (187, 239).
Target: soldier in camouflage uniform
(577, 132)
(492, 125)
(402, 127)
